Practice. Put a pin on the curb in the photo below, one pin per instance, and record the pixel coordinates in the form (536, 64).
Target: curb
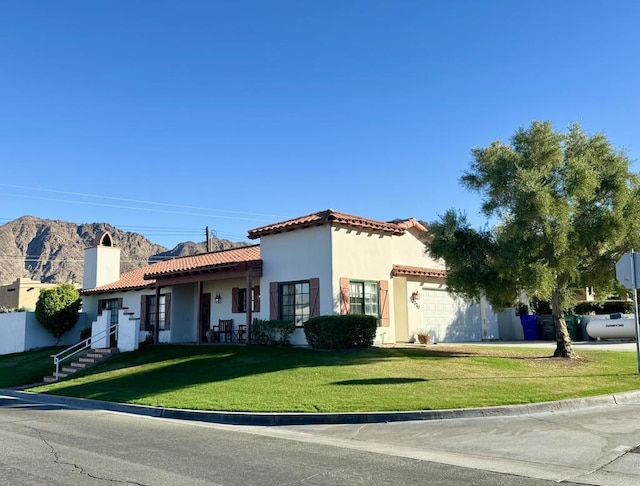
(292, 418)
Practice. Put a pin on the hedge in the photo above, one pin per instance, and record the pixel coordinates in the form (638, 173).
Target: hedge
(271, 332)
(605, 307)
(341, 332)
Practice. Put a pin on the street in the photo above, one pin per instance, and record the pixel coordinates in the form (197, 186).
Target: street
(54, 445)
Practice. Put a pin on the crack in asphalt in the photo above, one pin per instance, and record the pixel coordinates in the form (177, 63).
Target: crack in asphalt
(76, 467)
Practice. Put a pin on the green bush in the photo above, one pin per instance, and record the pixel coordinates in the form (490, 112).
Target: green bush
(57, 309)
(605, 307)
(271, 332)
(341, 332)
(85, 333)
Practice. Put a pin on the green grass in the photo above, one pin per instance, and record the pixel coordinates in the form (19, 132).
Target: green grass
(24, 368)
(302, 380)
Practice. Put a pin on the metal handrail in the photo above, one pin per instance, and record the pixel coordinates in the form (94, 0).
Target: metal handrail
(82, 345)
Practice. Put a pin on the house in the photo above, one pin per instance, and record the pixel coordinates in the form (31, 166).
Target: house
(23, 293)
(323, 263)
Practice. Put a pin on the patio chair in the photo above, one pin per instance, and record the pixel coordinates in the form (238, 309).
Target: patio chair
(224, 329)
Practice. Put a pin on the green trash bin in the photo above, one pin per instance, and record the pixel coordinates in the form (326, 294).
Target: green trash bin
(574, 327)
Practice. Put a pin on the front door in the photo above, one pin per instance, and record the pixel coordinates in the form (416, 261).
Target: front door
(113, 305)
(205, 316)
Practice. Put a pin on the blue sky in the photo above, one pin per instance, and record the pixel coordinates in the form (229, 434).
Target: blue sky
(164, 117)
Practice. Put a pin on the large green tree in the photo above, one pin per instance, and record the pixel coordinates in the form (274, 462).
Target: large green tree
(57, 309)
(563, 208)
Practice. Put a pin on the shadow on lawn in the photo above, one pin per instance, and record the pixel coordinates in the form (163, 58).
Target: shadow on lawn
(176, 367)
(380, 381)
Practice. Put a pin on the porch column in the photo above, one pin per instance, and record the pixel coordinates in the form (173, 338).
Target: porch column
(156, 324)
(249, 304)
(199, 320)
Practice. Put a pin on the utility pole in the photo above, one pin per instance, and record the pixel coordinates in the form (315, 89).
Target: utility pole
(206, 232)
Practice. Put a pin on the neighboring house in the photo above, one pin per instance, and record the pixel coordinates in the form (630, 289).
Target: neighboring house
(23, 293)
(324, 263)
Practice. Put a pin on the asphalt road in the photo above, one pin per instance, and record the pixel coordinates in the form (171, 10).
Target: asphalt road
(55, 445)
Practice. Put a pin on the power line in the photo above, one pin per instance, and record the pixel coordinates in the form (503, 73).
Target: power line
(154, 203)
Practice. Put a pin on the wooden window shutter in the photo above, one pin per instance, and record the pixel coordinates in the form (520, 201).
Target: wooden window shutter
(273, 300)
(167, 312)
(143, 312)
(235, 299)
(344, 296)
(314, 297)
(256, 298)
(384, 303)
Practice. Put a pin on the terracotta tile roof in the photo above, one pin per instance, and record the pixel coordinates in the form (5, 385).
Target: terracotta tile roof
(128, 281)
(327, 217)
(411, 223)
(145, 277)
(204, 261)
(406, 270)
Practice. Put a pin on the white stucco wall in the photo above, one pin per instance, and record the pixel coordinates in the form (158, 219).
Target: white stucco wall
(184, 312)
(360, 255)
(101, 266)
(297, 255)
(12, 332)
(20, 331)
(407, 249)
(223, 310)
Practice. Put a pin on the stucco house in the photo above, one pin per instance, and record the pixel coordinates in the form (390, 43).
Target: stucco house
(323, 263)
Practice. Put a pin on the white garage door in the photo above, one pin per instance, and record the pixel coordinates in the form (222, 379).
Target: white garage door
(449, 319)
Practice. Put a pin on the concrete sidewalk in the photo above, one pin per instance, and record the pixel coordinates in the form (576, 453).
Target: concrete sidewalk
(592, 445)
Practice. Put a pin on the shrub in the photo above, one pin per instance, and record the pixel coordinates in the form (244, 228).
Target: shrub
(57, 309)
(85, 333)
(605, 307)
(341, 332)
(271, 332)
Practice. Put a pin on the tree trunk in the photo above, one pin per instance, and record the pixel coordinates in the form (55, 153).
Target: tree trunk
(564, 348)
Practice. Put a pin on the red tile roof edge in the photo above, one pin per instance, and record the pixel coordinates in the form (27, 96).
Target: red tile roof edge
(400, 270)
(144, 277)
(205, 261)
(328, 216)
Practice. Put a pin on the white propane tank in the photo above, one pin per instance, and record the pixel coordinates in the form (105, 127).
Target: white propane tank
(603, 327)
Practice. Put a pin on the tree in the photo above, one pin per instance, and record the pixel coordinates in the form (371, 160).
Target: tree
(565, 207)
(57, 309)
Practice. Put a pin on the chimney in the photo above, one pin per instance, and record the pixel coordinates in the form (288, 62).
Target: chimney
(101, 262)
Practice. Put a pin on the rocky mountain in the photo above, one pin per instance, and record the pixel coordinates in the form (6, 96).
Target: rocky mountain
(52, 251)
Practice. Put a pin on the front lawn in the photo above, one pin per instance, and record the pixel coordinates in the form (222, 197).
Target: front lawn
(24, 368)
(259, 379)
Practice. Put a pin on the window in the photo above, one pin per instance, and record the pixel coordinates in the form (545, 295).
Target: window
(363, 298)
(294, 302)
(150, 315)
(239, 299)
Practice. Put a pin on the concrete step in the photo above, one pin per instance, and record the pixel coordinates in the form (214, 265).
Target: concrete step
(91, 358)
(105, 351)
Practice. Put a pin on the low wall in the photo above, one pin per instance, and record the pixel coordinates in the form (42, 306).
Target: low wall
(20, 331)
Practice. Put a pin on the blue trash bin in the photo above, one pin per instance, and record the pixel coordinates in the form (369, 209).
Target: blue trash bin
(530, 327)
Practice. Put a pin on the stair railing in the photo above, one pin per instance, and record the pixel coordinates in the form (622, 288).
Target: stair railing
(79, 347)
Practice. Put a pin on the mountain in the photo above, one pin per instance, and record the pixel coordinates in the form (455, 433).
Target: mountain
(52, 251)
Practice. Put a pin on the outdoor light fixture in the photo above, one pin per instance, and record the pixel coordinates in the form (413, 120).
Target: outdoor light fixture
(217, 298)
(415, 298)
